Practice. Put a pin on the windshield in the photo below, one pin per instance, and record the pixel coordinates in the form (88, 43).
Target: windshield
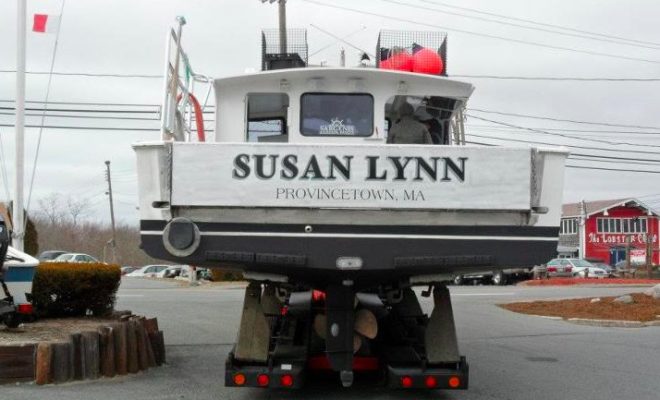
(328, 114)
(582, 263)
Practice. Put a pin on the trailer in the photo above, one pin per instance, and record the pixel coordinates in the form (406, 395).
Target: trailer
(337, 227)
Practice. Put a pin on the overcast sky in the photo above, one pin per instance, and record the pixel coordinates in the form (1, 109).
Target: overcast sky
(222, 38)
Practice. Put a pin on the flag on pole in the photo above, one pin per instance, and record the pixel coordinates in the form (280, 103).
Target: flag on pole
(45, 23)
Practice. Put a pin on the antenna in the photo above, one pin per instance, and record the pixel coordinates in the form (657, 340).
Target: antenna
(282, 13)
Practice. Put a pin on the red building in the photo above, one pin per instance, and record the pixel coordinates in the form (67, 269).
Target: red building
(611, 227)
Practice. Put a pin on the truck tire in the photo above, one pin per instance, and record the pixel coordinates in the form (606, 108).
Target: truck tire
(458, 280)
(499, 278)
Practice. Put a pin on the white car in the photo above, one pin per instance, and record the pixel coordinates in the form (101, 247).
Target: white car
(148, 271)
(171, 271)
(591, 272)
(75, 257)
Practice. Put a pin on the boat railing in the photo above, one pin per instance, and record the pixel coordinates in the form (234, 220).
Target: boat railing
(182, 113)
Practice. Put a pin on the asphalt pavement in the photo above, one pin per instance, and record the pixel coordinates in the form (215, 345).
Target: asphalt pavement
(511, 356)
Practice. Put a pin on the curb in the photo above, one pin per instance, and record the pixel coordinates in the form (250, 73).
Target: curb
(609, 323)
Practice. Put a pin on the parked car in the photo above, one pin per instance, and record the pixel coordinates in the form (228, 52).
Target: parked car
(591, 272)
(495, 277)
(560, 267)
(76, 257)
(127, 270)
(50, 255)
(148, 271)
(170, 272)
(611, 271)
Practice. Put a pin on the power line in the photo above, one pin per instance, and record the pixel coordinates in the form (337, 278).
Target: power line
(89, 117)
(89, 74)
(571, 130)
(581, 167)
(612, 169)
(574, 137)
(91, 128)
(578, 147)
(557, 78)
(561, 120)
(529, 21)
(578, 35)
(519, 41)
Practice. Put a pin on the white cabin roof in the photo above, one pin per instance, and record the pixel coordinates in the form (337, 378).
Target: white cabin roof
(372, 78)
(231, 94)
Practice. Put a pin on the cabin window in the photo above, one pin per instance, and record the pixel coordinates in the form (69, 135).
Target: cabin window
(267, 115)
(433, 111)
(336, 114)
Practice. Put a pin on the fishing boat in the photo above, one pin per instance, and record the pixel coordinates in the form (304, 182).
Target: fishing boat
(301, 186)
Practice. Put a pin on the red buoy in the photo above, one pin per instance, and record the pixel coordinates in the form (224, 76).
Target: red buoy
(427, 61)
(402, 61)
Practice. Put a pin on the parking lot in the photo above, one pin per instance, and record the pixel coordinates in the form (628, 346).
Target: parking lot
(511, 356)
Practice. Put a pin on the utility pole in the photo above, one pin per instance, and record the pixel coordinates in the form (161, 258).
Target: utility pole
(649, 255)
(582, 235)
(18, 215)
(113, 242)
(283, 38)
(282, 12)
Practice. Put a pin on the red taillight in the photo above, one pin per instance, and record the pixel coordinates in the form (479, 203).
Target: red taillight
(406, 381)
(552, 269)
(568, 269)
(454, 382)
(318, 295)
(286, 380)
(239, 379)
(24, 309)
(263, 380)
(284, 310)
(431, 382)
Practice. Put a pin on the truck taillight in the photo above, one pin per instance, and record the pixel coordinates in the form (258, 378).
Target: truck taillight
(263, 380)
(239, 379)
(431, 382)
(406, 381)
(286, 380)
(454, 382)
(25, 309)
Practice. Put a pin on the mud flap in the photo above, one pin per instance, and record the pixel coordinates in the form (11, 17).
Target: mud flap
(440, 338)
(254, 331)
(339, 302)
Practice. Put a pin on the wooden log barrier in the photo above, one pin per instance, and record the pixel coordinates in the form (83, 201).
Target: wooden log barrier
(107, 351)
(143, 357)
(120, 332)
(61, 364)
(90, 341)
(42, 371)
(158, 345)
(150, 324)
(17, 363)
(132, 347)
(78, 356)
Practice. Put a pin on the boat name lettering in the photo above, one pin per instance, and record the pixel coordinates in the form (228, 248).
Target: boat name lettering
(330, 168)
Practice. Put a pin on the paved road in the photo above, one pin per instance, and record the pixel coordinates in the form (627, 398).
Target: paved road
(512, 356)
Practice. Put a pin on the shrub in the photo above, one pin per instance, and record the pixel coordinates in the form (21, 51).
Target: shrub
(75, 289)
(221, 274)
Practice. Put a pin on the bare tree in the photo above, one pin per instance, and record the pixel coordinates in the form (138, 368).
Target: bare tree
(51, 208)
(77, 209)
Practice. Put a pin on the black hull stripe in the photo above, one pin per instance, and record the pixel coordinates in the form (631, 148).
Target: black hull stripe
(416, 230)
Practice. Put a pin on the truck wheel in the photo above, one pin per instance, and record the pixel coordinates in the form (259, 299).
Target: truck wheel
(458, 280)
(499, 278)
(12, 320)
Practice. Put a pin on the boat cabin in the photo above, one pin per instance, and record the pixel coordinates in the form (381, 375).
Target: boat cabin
(334, 105)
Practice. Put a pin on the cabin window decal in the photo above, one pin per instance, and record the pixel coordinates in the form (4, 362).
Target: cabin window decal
(337, 114)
